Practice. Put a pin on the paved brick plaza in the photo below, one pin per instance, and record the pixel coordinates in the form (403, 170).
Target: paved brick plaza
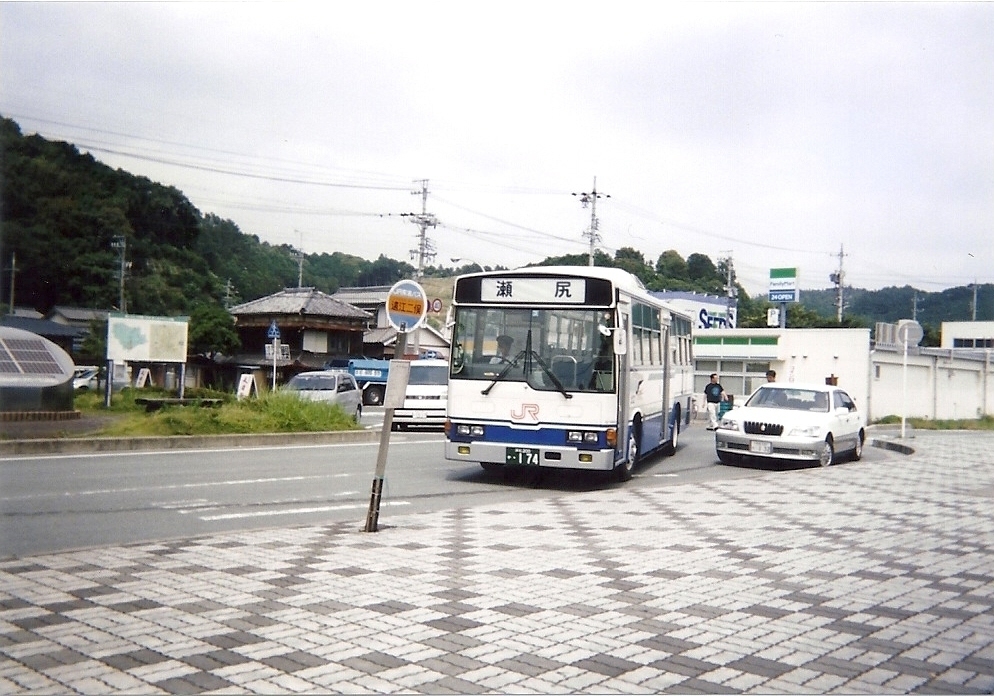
(860, 578)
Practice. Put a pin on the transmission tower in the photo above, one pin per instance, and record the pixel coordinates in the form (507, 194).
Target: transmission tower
(424, 220)
(591, 200)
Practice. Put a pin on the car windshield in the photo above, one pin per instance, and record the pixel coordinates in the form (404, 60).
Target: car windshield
(312, 383)
(433, 375)
(786, 397)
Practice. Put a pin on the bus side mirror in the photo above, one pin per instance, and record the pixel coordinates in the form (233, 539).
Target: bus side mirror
(620, 344)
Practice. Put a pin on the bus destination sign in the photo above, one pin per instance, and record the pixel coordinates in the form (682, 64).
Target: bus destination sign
(534, 290)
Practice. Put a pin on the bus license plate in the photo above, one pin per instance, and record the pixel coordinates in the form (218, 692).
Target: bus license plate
(521, 456)
(760, 447)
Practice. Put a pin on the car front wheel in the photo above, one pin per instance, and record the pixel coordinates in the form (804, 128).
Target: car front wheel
(827, 454)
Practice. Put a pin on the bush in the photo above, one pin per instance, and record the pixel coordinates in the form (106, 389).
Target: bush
(271, 413)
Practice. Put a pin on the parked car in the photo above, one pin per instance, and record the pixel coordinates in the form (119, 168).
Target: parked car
(787, 421)
(425, 397)
(86, 377)
(329, 386)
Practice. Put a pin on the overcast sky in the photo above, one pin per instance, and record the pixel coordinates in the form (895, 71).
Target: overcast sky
(776, 133)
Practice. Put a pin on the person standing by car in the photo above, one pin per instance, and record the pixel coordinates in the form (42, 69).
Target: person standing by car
(714, 394)
(771, 375)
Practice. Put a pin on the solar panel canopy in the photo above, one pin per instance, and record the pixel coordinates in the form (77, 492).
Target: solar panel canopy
(35, 373)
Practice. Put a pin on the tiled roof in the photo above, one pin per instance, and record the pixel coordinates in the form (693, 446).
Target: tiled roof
(300, 301)
(78, 313)
(42, 327)
(374, 294)
(384, 334)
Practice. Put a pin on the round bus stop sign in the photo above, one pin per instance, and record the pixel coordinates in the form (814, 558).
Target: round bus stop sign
(407, 305)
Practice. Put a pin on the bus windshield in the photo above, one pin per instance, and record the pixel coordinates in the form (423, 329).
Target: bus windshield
(562, 349)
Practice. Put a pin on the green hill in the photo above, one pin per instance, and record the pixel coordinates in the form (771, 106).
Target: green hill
(67, 215)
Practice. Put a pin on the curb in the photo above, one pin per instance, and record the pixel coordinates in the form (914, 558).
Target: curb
(12, 448)
(892, 446)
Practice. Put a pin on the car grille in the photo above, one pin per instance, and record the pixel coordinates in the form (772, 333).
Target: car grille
(420, 397)
(757, 428)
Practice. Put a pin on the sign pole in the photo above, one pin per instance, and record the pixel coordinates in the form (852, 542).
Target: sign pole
(904, 385)
(406, 308)
(397, 378)
(274, 334)
(276, 350)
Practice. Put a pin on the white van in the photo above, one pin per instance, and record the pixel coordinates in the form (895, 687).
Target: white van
(424, 401)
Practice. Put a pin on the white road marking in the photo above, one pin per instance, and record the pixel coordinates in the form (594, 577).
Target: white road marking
(297, 511)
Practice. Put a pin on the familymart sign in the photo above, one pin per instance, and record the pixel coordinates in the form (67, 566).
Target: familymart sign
(783, 285)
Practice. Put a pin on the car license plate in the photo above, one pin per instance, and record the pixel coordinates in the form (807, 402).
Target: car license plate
(521, 456)
(760, 447)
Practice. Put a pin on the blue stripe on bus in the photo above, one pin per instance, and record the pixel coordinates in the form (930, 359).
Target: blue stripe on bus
(548, 437)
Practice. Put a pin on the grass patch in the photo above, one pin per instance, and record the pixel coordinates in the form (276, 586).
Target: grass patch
(985, 423)
(271, 413)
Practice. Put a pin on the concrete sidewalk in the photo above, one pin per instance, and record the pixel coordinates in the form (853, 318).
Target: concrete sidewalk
(859, 578)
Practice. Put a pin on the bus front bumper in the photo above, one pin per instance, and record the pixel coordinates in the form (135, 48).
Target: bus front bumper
(530, 456)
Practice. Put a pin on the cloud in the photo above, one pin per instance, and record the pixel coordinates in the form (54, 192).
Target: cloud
(772, 132)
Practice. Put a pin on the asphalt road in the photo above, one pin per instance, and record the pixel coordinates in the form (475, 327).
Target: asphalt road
(61, 502)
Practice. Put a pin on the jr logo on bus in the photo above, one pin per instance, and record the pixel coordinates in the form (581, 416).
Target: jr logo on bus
(528, 412)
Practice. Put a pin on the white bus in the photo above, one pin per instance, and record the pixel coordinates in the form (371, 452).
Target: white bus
(599, 372)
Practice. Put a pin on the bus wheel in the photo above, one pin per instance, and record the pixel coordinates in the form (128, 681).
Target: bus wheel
(625, 468)
(674, 432)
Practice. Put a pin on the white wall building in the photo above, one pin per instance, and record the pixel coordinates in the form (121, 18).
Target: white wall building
(967, 334)
(741, 358)
(933, 383)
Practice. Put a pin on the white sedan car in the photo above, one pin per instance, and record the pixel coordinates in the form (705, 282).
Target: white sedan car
(800, 422)
(330, 387)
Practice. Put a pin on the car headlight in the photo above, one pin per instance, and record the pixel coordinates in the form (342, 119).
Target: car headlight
(728, 424)
(806, 431)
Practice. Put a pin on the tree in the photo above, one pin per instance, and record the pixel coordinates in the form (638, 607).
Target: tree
(704, 275)
(633, 261)
(672, 271)
(212, 331)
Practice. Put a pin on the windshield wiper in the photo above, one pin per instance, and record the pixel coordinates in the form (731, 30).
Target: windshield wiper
(551, 374)
(503, 373)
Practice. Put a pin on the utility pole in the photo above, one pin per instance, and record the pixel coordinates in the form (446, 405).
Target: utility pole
(591, 200)
(13, 272)
(121, 244)
(838, 278)
(299, 253)
(973, 307)
(731, 291)
(424, 220)
(914, 307)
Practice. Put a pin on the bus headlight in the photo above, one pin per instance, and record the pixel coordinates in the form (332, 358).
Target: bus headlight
(469, 430)
(588, 437)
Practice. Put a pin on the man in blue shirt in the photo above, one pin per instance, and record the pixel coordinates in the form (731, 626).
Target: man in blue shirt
(714, 394)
